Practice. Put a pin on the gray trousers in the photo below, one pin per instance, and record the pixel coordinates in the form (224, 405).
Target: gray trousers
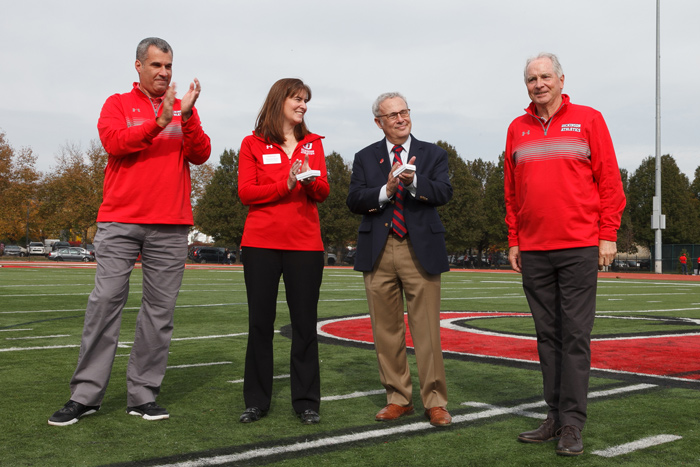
(560, 287)
(163, 250)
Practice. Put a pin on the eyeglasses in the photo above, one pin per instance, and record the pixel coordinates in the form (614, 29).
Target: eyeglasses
(394, 115)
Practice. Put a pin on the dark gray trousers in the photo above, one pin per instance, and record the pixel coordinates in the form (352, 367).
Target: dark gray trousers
(560, 286)
(163, 250)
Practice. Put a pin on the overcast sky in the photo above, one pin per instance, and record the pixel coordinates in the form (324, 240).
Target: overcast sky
(458, 62)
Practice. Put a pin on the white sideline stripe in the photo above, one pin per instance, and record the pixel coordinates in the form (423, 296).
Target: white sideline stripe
(636, 445)
(15, 330)
(199, 364)
(274, 377)
(354, 395)
(373, 434)
(36, 337)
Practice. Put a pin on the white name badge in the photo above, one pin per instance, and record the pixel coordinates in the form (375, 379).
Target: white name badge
(272, 158)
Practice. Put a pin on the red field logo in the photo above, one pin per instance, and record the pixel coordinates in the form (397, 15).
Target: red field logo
(669, 355)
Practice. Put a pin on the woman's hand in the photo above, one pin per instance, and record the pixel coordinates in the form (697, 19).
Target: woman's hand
(292, 180)
(304, 168)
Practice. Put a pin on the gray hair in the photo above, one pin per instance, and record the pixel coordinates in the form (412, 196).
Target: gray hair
(144, 45)
(382, 98)
(555, 63)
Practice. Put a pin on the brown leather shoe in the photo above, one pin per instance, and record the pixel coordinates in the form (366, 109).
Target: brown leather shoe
(570, 441)
(392, 412)
(438, 416)
(546, 432)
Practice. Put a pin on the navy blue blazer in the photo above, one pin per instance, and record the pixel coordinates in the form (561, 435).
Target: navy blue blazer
(370, 171)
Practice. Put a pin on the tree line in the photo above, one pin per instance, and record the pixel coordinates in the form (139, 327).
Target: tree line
(63, 202)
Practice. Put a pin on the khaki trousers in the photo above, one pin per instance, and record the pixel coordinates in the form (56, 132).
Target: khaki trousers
(398, 273)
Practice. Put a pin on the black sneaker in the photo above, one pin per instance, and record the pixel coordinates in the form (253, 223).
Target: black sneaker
(71, 412)
(149, 411)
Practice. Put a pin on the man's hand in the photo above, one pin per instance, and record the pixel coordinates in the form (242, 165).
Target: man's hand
(188, 100)
(166, 116)
(392, 184)
(407, 177)
(606, 253)
(514, 258)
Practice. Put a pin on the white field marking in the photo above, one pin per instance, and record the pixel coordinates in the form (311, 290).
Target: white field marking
(36, 337)
(648, 311)
(522, 409)
(16, 349)
(338, 440)
(126, 344)
(15, 330)
(615, 299)
(659, 301)
(636, 445)
(236, 381)
(12, 286)
(640, 294)
(513, 282)
(199, 364)
(646, 284)
(354, 395)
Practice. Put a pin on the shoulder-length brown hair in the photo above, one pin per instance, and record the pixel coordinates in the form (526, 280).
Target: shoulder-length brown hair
(271, 117)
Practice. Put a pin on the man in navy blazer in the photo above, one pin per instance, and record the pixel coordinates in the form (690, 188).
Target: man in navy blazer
(401, 251)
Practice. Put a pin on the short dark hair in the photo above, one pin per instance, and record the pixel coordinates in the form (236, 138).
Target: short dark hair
(269, 123)
(144, 45)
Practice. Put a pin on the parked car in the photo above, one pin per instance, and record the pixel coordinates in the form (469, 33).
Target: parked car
(58, 245)
(332, 259)
(91, 248)
(211, 254)
(15, 250)
(71, 254)
(350, 257)
(36, 248)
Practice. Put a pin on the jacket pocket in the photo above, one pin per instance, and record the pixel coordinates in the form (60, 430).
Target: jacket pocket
(365, 227)
(437, 227)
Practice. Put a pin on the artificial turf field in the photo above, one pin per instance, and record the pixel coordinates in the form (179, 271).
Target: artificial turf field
(644, 395)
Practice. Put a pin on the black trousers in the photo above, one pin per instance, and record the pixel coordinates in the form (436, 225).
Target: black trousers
(302, 272)
(560, 286)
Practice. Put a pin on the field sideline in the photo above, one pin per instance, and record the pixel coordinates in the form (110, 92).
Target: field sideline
(644, 396)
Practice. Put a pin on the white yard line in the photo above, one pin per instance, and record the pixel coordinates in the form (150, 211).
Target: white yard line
(36, 337)
(194, 365)
(374, 434)
(636, 445)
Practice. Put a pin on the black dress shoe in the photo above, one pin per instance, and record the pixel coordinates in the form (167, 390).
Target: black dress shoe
(309, 417)
(570, 441)
(252, 414)
(546, 432)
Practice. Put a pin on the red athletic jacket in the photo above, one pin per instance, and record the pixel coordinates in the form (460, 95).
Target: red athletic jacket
(562, 182)
(147, 178)
(277, 218)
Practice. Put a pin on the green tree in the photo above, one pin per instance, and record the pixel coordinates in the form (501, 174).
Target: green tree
(495, 229)
(338, 226)
(695, 186)
(18, 184)
(71, 194)
(219, 212)
(625, 235)
(681, 208)
(463, 216)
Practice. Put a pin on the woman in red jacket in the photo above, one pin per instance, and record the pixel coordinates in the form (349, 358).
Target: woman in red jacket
(282, 237)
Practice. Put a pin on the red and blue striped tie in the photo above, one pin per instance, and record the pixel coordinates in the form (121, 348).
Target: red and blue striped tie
(398, 223)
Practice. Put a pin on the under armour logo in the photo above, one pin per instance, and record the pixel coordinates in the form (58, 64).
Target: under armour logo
(269, 146)
(526, 133)
(135, 109)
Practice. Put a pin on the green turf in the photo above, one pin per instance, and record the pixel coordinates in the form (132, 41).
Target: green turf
(205, 404)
